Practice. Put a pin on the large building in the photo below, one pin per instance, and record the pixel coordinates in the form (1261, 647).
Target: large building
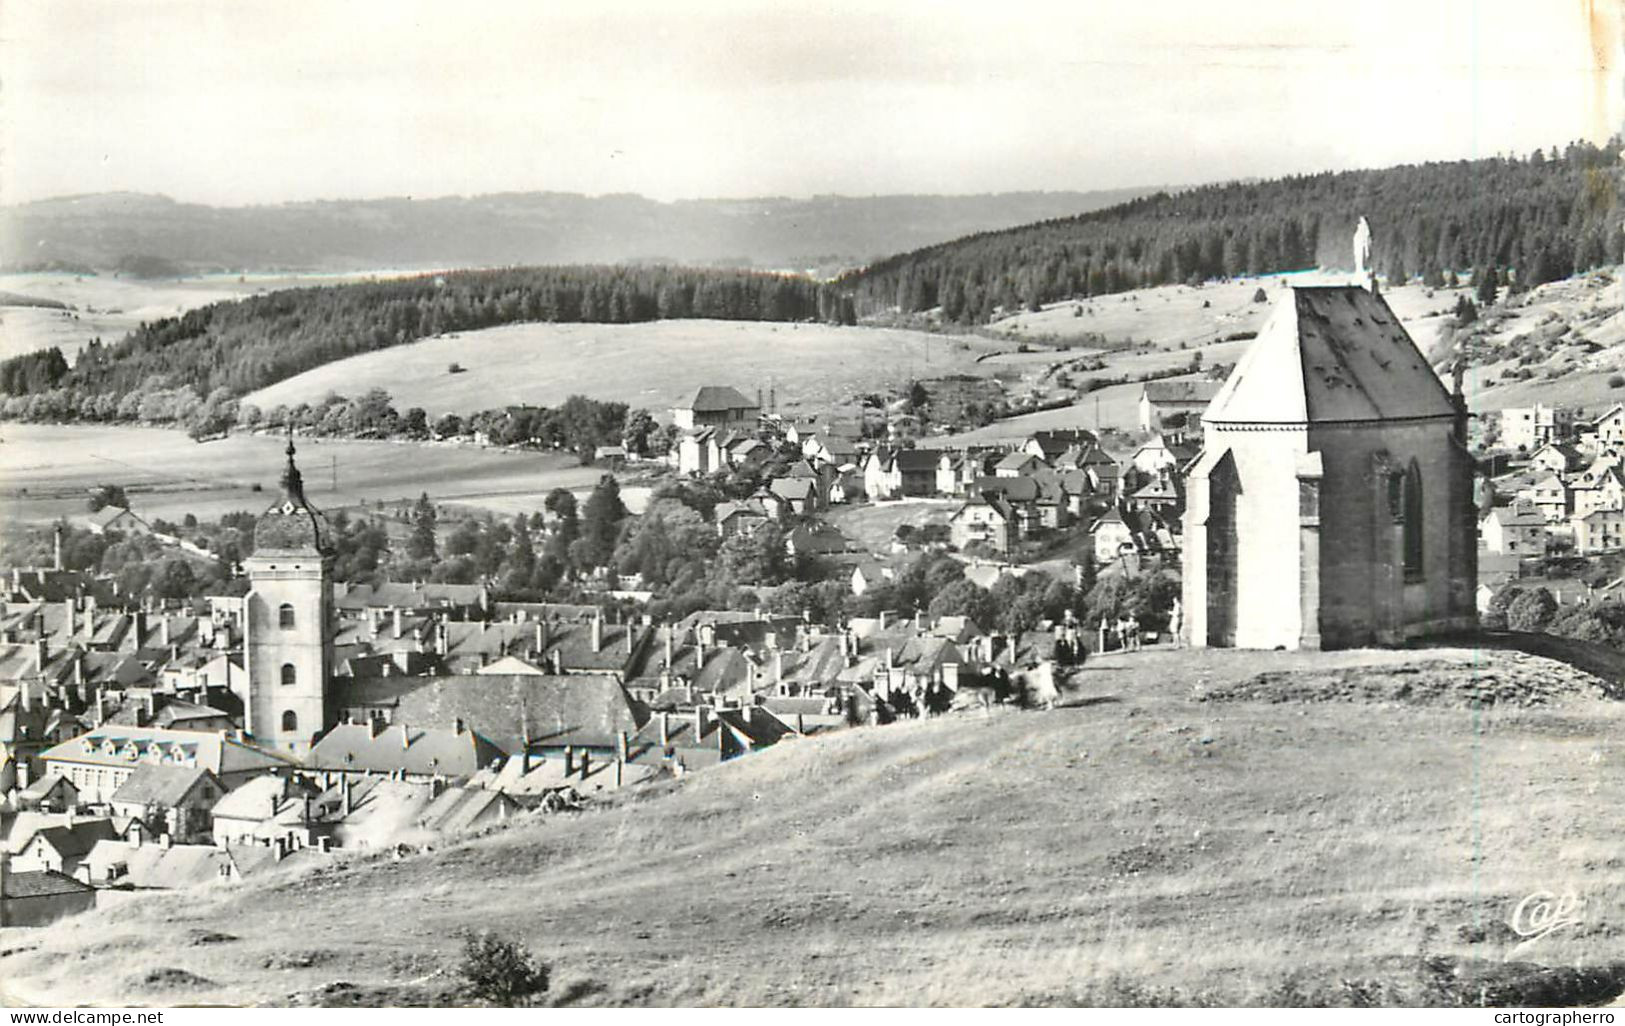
(1332, 503)
(288, 621)
(717, 406)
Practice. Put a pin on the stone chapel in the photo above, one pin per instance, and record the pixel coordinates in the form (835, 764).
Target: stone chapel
(1331, 505)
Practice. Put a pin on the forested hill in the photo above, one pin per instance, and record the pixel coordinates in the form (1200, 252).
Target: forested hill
(156, 236)
(229, 348)
(1543, 218)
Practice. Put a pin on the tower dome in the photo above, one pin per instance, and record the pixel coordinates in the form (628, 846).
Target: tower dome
(292, 525)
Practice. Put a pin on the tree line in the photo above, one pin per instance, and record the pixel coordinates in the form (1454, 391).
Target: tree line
(244, 344)
(1543, 217)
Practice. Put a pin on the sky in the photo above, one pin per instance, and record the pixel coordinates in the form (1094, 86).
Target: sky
(251, 102)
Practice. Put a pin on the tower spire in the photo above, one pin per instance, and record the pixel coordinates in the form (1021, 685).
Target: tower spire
(292, 483)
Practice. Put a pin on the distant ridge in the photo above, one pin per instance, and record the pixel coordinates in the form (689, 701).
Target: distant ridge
(826, 234)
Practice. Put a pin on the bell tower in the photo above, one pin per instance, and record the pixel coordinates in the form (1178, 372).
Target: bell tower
(288, 621)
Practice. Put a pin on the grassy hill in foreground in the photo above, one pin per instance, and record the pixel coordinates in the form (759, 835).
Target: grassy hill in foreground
(1142, 845)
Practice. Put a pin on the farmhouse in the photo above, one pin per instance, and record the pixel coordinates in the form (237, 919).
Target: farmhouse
(113, 518)
(1518, 528)
(1175, 404)
(1332, 502)
(719, 407)
(1527, 428)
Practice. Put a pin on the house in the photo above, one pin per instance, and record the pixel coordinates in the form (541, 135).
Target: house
(50, 793)
(61, 848)
(269, 806)
(1551, 497)
(719, 407)
(388, 749)
(1519, 528)
(1105, 476)
(515, 713)
(1331, 504)
(699, 453)
(113, 518)
(916, 471)
(1601, 530)
(1606, 491)
(1050, 446)
(1160, 455)
(881, 477)
(1113, 536)
(948, 464)
(792, 497)
(100, 761)
(467, 808)
(1018, 464)
(742, 517)
(40, 897)
(172, 800)
(1527, 428)
(988, 519)
(1556, 458)
(1167, 399)
(1609, 428)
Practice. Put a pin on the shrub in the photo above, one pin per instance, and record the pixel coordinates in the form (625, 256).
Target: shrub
(455, 368)
(499, 971)
(1616, 381)
(1531, 611)
(1260, 296)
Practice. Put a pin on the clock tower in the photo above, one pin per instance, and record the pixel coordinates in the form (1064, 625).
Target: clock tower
(288, 621)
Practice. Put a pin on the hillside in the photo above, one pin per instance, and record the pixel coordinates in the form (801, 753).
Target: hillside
(1140, 846)
(654, 365)
(1545, 217)
(824, 232)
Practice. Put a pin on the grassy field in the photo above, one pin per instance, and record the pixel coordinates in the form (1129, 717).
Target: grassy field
(1137, 846)
(873, 525)
(105, 307)
(655, 365)
(46, 470)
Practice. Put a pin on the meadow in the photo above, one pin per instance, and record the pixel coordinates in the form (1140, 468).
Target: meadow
(1139, 845)
(47, 470)
(815, 367)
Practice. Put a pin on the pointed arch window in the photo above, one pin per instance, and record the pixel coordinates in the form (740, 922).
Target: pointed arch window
(290, 720)
(290, 676)
(1411, 515)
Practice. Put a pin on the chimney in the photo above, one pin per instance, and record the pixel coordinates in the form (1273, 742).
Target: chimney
(395, 620)
(541, 637)
(665, 730)
(163, 630)
(40, 654)
(778, 665)
(586, 761)
(306, 813)
(888, 658)
(164, 841)
(137, 834)
(669, 632)
(771, 640)
(138, 629)
(700, 720)
(406, 738)
(628, 628)
(70, 618)
(56, 548)
(884, 615)
(276, 800)
(597, 632)
(79, 668)
(569, 760)
(620, 746)
(346, 799)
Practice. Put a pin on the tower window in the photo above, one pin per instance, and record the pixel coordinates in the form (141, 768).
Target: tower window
(290, 676)
(284, 616)
(290, 720)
